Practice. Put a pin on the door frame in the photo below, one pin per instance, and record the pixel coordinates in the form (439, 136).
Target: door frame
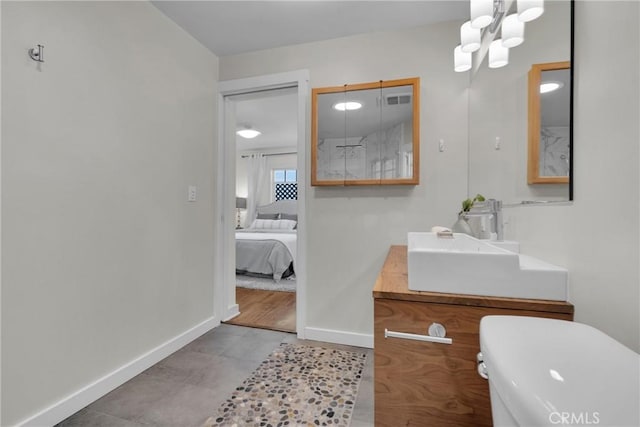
(225, 306)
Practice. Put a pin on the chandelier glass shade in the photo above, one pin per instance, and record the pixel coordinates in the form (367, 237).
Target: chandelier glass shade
(528, 10)
(461, 59)
(481, 13)
(498, 54)
(512, 31)
(469, 37)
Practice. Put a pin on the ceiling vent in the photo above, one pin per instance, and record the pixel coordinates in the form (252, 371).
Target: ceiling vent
(398, 99)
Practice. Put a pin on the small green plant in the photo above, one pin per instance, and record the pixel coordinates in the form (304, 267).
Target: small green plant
(468, 203)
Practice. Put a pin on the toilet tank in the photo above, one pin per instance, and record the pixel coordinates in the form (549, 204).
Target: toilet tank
(546, 372)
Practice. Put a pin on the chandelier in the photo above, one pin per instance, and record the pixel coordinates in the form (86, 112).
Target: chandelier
(489, 16)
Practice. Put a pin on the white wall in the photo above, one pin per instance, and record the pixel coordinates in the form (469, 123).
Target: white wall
(350, 229)
(103, 258)
(596, 237)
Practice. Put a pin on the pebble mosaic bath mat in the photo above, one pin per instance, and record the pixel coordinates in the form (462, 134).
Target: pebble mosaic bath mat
(297, 385)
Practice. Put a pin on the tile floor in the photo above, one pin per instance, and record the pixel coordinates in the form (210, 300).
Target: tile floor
(187, 387)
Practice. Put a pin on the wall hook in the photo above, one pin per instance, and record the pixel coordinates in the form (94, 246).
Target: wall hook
(37, 53)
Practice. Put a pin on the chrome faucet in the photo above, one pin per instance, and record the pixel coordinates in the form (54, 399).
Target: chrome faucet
(497, 224)
(486, 214)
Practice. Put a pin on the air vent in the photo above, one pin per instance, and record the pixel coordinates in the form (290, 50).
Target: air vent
(398, 99)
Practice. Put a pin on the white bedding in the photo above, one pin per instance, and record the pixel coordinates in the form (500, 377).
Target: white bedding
(259, 260)
(287, 237)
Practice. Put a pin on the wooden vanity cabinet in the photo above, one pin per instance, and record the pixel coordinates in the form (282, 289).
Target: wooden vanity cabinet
(420, 383)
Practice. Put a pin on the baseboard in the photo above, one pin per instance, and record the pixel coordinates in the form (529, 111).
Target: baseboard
(339, 337)
(90, 393)
(232, 311)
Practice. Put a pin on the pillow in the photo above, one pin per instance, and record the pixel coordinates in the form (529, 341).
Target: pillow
(267, 216)
(292, 217)
(273, 224)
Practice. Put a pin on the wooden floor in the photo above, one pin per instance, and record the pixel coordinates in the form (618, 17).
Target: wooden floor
(266, 309)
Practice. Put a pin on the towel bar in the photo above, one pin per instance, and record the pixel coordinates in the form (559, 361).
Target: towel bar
(427, 338)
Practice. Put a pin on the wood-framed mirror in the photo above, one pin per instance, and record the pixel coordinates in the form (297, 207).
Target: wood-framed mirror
(366, 134)
(498, 113)
(549, 159)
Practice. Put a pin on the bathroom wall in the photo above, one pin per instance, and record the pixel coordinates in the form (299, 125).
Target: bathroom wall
(597, 236)
(350, 229)
(103, 259)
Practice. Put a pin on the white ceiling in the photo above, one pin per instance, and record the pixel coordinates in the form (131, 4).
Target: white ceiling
(274, 113)
(233, 27)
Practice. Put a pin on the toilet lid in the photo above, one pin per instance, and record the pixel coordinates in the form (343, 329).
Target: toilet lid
(555, 372)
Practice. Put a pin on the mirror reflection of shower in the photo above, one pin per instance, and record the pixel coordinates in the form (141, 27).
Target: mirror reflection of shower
(554, 151)
(554, 122)
(371, 144)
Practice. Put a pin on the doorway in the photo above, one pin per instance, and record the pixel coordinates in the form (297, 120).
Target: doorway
(263, 298)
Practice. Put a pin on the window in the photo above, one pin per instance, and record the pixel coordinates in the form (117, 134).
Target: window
(285, 184)
(285, 175)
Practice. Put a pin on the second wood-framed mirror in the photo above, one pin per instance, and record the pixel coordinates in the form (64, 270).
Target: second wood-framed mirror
(498, 114)
(549, 160)
(366, 134)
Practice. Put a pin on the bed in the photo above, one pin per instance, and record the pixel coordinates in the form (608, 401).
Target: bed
(268, 247)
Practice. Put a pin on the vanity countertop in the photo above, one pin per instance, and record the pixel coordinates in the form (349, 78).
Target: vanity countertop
(392, 283)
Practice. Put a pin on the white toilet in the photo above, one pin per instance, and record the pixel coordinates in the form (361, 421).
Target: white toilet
(545, 372)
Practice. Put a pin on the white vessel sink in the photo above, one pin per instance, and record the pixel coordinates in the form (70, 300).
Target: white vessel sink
(465, 265)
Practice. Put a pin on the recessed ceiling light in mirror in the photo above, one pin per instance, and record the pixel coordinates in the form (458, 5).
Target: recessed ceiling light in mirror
(555, 375)
(550, 87)
(347, 106)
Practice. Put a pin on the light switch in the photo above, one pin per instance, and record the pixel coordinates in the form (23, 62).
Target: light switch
(193, 193)
(441, 145)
